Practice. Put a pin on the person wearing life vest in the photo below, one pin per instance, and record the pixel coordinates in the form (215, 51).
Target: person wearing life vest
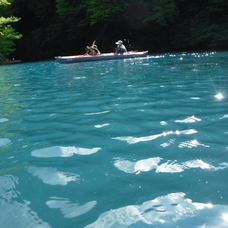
(93, 50)
(120, 47)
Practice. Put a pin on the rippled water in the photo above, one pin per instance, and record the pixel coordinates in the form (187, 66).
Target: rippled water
(125, 143)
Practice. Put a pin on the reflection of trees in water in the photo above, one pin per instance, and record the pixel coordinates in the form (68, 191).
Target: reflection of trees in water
(10, 96)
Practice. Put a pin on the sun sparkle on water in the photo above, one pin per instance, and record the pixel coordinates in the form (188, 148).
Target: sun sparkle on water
(225, 217)
(219, 96)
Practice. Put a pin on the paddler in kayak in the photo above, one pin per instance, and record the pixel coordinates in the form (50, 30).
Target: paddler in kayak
(93, 50)
(120, 47)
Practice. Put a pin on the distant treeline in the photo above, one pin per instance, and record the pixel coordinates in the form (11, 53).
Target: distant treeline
(65, 27)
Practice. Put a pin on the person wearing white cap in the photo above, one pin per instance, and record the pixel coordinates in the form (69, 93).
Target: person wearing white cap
(120, 47)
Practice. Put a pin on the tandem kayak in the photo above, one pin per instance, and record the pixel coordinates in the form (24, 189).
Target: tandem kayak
(100, 57)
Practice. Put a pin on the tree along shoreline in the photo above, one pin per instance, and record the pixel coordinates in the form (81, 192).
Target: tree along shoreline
(65, 27)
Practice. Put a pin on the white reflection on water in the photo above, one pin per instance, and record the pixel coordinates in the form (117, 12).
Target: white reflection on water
(146, 165)
(191, 143)
(225, 217)
(188, 144)
(171, 141)
(190, 119)
(82, 77)
(195, 98)
(59, 151)
(52, 176)
(163, 123)
(172, 210)
(2, 120)
(4, 141)
(96, 113)
(141, 165)
(102, 125)
(132, 140)
(68, 209)
(14, 213)
(220, 96)
(225, 116)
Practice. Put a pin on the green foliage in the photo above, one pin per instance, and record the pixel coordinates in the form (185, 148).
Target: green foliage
(7, 20)
(3, 59)
(4, 2)
(66, 7)
(104, 10)
(201, 25)
(42, 9)
(7, 33)
(6, 39)
(134, 20)
(162, 14)
(155, 32)
(57, 27)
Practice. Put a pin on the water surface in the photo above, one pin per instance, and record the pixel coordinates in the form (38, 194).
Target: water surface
(121, 143)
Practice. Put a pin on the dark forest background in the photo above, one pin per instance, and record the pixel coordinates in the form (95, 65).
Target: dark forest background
(65, 27)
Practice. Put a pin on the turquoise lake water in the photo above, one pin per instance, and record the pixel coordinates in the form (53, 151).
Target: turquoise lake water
(139, 143)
